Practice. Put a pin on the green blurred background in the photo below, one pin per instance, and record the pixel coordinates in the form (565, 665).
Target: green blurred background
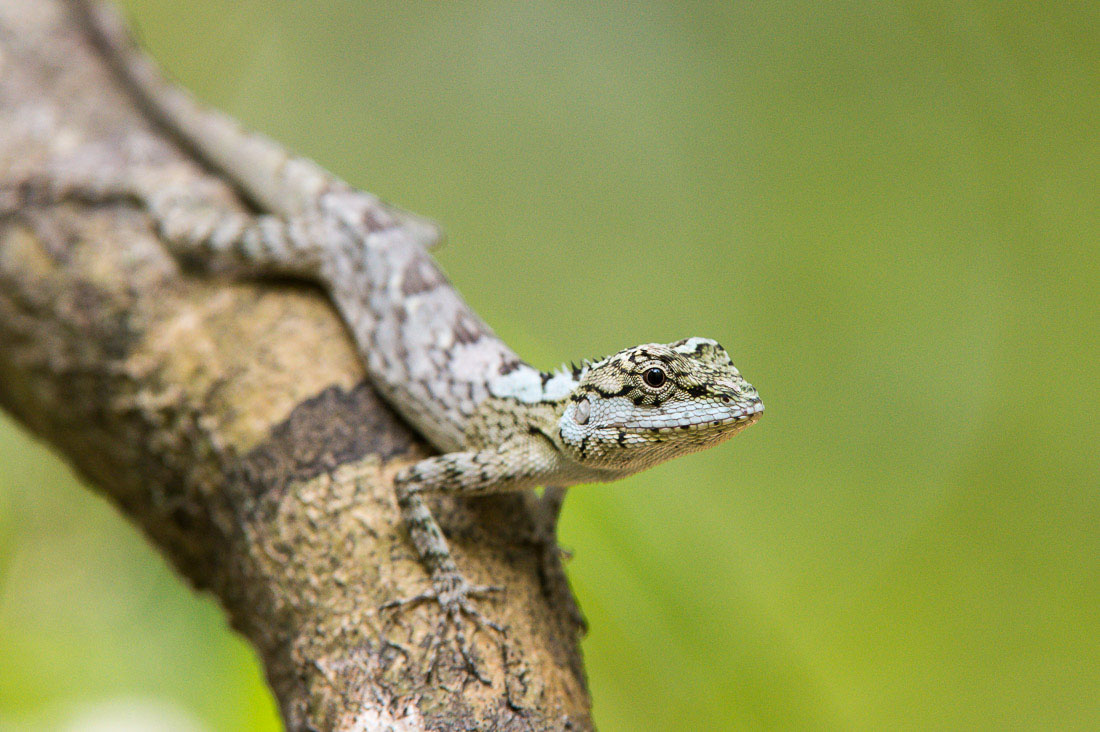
(888, 214)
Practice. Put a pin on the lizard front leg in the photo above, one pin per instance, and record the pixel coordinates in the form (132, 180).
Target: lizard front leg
(522, 462)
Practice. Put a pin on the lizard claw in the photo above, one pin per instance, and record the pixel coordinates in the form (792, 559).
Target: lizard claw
(454, 596)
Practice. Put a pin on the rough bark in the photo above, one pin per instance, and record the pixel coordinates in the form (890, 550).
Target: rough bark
(232, 422)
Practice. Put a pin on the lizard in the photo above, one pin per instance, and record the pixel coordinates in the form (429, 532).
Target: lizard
(499, 423)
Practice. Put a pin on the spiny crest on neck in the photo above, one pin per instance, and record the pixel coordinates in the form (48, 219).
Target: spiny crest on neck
(531, 386)
(528, 385)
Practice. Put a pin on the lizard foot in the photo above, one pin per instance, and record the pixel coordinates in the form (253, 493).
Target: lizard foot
(455, 598)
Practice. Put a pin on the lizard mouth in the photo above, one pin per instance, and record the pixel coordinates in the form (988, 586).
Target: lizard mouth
(738, 420)
(743, 417)
(752, 411)
(750, 415)
(749, 419)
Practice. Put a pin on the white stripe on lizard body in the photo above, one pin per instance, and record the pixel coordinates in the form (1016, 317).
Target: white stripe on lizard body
(501, 424)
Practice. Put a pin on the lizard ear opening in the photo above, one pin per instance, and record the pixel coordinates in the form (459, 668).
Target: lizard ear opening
(582, 410)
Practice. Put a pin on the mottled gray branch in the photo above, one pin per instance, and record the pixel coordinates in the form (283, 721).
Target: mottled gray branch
(232, 422)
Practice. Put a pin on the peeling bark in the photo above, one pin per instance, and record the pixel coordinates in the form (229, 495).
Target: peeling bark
(232, 422)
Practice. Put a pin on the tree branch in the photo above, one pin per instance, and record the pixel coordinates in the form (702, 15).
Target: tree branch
(231, 421)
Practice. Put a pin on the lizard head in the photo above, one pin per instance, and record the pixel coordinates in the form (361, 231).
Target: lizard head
(646, 404)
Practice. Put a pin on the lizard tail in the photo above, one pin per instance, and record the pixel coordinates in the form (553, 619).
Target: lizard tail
(268, 176)
(264, 172)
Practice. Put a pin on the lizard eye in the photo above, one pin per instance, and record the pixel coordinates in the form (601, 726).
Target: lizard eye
(654, 377)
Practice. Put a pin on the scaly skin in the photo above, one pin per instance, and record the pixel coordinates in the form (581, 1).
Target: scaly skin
(501, 424)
